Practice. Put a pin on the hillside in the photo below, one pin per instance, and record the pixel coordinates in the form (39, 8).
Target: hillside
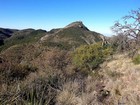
(67, 66)
(23, 37)
(71, 36)
(6, 33)
(121, 78)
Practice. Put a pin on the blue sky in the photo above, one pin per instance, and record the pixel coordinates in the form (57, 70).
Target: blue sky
(97, 15)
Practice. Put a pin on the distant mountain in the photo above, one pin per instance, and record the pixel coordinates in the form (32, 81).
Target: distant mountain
(71, 36)
(24, 36)
(6, 33)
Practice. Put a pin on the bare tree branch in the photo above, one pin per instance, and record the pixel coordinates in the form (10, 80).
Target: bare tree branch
(129, 27)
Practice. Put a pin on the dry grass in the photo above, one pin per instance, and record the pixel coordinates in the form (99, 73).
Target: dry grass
(85, 92)
(126, 87)
(121, 80)
(117, 81)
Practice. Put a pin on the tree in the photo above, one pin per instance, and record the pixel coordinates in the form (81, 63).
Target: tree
(130, 28)
(119, 42)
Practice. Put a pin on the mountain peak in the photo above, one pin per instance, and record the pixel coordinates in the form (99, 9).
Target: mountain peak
(76, 24)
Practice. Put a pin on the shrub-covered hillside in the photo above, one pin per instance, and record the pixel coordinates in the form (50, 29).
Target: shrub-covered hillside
(72, 36)
(5, 33)
(68, 66)
(23, 36)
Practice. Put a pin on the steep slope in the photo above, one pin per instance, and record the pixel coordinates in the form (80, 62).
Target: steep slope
(71, 36)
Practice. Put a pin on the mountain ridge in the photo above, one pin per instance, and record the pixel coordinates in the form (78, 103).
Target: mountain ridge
(72, 35)
(68, 37)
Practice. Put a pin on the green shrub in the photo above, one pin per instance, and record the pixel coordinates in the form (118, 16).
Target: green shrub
(90, 56)
(136, 59)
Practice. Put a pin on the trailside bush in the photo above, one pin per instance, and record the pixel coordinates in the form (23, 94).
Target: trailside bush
(90, 56)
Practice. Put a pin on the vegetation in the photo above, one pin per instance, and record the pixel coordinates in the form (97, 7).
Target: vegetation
(136, 59)
(25, 36)
(15, 72)
(60, 45)
(90, 56)
(71, 37)
(128, 31)
(72, 66)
